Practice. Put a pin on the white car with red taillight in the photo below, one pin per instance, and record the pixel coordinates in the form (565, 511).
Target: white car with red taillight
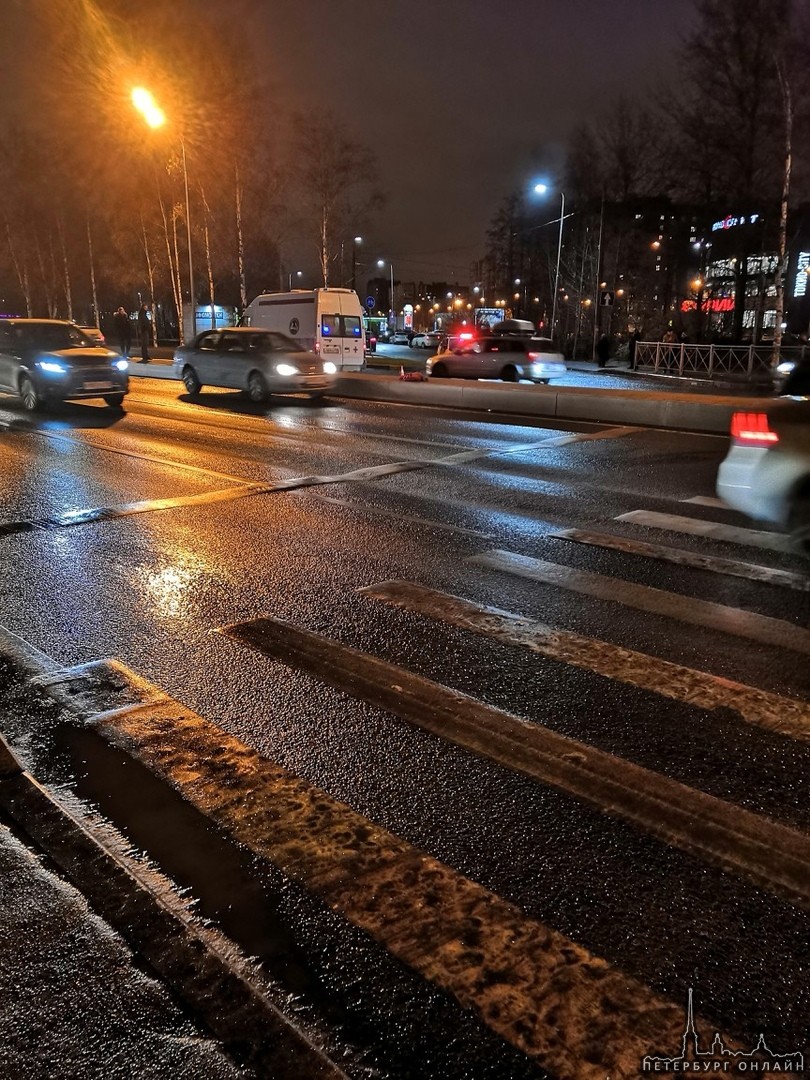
(766, 472)
(507, 357)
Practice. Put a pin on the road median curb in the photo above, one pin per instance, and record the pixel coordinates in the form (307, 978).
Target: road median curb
(651, 408)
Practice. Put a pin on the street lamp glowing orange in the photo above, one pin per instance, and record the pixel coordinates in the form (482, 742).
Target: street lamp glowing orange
(148, 107)
(155, 117)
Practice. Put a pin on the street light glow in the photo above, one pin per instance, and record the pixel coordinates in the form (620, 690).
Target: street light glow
(540, 189)
(148, 107)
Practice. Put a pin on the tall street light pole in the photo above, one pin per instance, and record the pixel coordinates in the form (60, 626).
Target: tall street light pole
(381, 262)
(357, 240)
(541, 189)
(155, 117)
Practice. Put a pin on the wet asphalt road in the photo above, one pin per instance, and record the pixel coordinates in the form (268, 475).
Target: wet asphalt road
(148, 584)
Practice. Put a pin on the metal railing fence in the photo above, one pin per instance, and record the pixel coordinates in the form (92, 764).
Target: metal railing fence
(745, 362)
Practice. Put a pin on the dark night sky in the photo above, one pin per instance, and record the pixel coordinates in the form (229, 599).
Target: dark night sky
(464, 100)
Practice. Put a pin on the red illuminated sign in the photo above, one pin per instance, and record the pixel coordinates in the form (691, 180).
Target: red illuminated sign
(720, 303)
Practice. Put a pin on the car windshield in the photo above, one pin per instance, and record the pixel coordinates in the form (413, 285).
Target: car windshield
(272, 342)
(53, 336)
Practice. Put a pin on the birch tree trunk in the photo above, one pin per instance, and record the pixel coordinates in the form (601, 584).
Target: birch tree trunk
(21, 270)
(325, 245)
(151, 276)
(240, 243)
(92, 272)
(65, 269)
(781, 268)
(173, 273)
(178, 284)
(208, 266)
(45, 286)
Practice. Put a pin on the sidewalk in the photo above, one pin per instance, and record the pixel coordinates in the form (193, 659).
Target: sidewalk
(76, 1001)
(106, 971)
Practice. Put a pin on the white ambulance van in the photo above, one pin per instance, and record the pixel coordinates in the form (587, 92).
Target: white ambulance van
(328, 321)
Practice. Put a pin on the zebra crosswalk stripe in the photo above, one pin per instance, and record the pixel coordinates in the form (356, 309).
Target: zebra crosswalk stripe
(728, 620)
(711, 530)
(681, 557)
(773, 856)
(707, 500)
(512, 971)
(787, 716)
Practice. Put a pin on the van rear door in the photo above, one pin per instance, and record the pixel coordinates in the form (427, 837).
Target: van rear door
(352, 351)
(330, 345)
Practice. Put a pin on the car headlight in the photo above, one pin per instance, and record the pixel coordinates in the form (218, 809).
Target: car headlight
(52, 367)
(122, 365)
(786, 367)
(286, 369)
(329, 368)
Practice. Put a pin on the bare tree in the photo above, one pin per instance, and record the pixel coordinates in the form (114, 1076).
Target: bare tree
(335, 176)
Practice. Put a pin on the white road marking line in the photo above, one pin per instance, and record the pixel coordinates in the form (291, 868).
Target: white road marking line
(707, 500)
(727, 620)
(95, 514)
(452, 932)
(787, 716)
(711, 530)
(750, 571)
(405, 519)
(167, 463)
(726, 834)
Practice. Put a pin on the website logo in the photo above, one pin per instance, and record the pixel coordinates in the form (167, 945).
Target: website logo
(719, 1060)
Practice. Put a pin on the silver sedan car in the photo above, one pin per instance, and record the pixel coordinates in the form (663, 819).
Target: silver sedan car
(503, 357)
(260, 362)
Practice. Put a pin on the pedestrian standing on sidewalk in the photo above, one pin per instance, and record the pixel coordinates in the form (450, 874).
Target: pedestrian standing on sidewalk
(632, 341)
(603, 350)
(668, 356)
(145, 331)
(123, 330)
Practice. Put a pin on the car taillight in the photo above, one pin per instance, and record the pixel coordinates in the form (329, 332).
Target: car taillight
(534, 355)
(752, 429)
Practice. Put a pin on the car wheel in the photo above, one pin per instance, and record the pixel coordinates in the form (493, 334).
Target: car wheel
(509, 374)
(31, 398)
(439, 372)
(799, 520)
(256, 387)
(115, 401)
(191, 380)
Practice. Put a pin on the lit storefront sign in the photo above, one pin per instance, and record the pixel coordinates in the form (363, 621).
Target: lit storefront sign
(718, 303)
(802, 270)
(735, 219)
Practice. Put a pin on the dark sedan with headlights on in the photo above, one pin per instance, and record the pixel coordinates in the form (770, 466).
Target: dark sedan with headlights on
(44, 361)
(260, 362)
